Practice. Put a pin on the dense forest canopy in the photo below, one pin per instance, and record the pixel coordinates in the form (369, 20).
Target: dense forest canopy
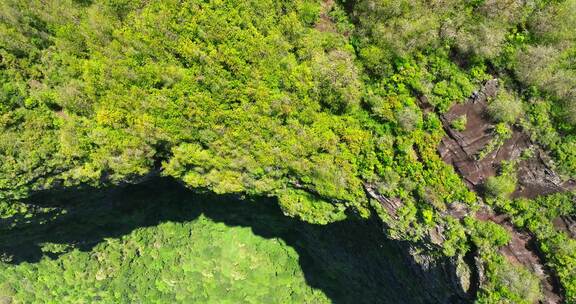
(329, 107)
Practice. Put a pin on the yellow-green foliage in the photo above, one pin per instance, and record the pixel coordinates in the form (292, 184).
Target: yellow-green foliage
(200, 261)
(229, 96)
(459, 123)
(506, 107)
(233, 97)
(309, 208)
(289, 99)
(507, 283)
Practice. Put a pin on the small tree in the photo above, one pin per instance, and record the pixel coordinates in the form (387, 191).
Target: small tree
(459, 124)
(409, 118)
(500, 186)
(506, 107)
(338, 85)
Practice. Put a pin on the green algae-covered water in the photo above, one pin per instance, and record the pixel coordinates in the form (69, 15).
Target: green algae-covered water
(160, 243)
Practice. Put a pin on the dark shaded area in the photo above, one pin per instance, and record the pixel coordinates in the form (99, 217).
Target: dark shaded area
(348, 6)
(470, 259)
(351, 261)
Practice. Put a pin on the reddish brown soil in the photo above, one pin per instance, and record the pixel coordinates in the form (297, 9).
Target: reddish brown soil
(460, 148)
(62, 114)
(536, 178)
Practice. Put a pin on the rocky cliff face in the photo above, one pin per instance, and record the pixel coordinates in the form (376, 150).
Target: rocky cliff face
(452, 275)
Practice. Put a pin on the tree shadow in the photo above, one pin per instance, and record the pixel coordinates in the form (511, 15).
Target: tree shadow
(350, 261)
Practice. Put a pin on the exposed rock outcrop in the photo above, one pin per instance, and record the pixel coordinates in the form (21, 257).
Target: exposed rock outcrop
(461, 148)
(391, 205)
(455, 270)
(534, 175)
(566, 224)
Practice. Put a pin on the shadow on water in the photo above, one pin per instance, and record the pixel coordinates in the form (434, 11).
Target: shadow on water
(350, 261)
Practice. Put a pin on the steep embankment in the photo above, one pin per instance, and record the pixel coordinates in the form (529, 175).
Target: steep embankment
(164, 242)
